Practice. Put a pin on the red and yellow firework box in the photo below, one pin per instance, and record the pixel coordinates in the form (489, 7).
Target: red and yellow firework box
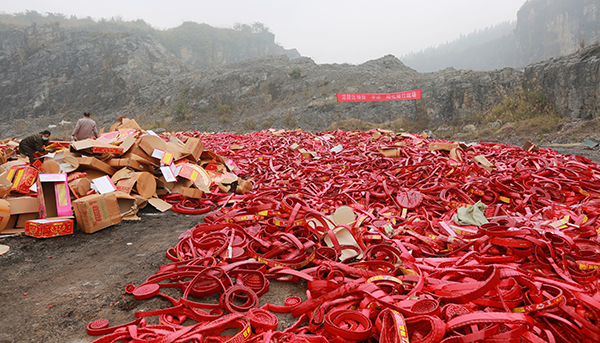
(46, 228)
(24, 178)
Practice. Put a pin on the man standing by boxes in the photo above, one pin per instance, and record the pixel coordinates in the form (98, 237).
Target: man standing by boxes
(85, 128)
(34, 143)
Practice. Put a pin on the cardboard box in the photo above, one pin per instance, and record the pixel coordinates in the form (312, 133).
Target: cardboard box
(24, 178)
(94, 163)
(150, 142)
(96, 212)
(45, 228)
(53, 196)
(194, 148)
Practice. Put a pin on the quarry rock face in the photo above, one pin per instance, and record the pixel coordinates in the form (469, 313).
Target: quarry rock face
(50, 74)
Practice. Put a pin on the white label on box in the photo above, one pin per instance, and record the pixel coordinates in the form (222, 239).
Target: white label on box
(168, 174)
(158, 153)
(104, 185)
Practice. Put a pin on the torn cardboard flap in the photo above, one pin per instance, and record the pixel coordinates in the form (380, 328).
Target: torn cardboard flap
(483, 162)
(144, 183)
(160, 204)
(121, 174)
(127, 206)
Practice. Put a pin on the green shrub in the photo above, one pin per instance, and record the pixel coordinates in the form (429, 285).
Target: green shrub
(296, 73)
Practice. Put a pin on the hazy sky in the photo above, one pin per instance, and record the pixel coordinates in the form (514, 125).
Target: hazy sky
(328, 31)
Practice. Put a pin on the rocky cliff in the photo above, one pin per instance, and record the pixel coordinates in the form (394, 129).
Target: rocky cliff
(50, 75)
(544, 29)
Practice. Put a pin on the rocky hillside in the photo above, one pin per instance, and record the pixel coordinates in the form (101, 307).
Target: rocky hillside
(544, 29)
(50, 75)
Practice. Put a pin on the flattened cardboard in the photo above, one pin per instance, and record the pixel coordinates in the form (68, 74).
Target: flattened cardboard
(46, 228)
(24, 204)
(160, 204)
(129, 124)
(96, 146)
(96, 212)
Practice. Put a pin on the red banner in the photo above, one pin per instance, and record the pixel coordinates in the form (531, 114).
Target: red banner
(409, 95)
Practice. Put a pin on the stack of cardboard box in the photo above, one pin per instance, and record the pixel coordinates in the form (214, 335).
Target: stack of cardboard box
(96, 183)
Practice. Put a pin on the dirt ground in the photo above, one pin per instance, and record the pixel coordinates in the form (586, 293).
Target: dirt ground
(50, 289)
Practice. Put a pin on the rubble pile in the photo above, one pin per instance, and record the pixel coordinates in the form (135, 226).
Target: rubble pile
(398, 237)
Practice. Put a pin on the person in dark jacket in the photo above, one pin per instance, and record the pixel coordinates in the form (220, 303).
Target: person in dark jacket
(34, 143)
